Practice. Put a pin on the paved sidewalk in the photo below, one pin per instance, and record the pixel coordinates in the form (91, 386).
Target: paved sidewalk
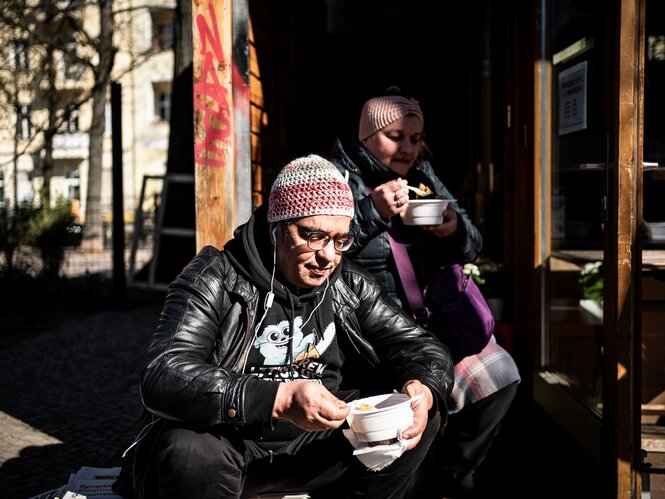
(69, 398)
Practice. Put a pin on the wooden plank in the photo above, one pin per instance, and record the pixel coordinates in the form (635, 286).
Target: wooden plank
(653, 409)
(213, 121)
(622, 339)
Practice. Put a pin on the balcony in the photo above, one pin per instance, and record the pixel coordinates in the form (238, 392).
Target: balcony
(70, 145)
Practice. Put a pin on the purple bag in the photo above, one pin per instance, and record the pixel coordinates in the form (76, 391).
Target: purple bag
(458, 314)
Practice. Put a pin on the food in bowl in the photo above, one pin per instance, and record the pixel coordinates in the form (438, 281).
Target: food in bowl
(381, 417)
(425, 211)
(426, 191)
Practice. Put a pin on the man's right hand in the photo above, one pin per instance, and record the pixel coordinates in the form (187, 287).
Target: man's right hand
(309, 405)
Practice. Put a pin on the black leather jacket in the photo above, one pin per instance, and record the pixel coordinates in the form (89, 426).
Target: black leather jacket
(193, 370)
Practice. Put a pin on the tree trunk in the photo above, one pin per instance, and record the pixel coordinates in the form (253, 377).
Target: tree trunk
(93, 210)
(49, 132)
(106, 51)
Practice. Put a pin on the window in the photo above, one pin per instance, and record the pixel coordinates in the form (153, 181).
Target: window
(71, 122)
(162, 91)
(162, 29)
(23, 124)
(163, 105)
(2, 189)
(26, 192)
(71, 67)
(73, 8)
(21, 59)
(73, 183)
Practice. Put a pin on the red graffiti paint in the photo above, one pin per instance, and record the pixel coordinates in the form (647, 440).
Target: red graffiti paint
(211, 98)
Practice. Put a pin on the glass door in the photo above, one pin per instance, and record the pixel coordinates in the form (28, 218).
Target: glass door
(589, 152)
(653, 254)
(581, 131)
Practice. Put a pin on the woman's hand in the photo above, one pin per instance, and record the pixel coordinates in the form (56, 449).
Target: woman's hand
(449, 225)
(420, 408)
(390, 199)
(309, 405)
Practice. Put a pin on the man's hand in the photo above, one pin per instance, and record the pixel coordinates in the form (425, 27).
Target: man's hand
(309, 405)
(420, 409)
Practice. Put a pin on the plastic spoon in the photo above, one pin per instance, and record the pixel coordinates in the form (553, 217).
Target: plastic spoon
(418, 396)
(420, 192)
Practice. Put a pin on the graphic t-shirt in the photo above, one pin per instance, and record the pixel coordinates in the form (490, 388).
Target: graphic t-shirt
(309, 352)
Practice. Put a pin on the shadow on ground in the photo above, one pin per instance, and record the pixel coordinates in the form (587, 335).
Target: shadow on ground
(69, 395)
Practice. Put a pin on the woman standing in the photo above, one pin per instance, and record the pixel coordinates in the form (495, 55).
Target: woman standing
(385, 157)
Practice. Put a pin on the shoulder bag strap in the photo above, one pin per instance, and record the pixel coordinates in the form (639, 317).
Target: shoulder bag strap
(407, 275)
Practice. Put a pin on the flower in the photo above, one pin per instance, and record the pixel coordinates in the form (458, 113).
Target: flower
(473, 270)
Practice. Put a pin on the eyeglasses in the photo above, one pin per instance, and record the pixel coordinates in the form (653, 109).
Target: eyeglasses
(318, 239)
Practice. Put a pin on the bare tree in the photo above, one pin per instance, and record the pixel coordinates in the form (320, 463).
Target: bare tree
(13, 62)
(59, 36)
(52, 35)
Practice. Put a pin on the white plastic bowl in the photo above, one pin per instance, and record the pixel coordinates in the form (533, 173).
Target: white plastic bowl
(425, 211)
(392, 415)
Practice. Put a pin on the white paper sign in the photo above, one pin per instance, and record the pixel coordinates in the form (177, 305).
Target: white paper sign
(572, 99)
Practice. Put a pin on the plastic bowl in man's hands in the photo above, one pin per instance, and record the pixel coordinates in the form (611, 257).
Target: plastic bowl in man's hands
(381, 417)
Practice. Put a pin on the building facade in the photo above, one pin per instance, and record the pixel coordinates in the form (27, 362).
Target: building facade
(47, 71)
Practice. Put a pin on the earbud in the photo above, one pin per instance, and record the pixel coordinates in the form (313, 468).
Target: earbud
(271, 296)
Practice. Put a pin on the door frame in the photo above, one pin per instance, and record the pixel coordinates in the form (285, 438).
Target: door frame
(613, 440)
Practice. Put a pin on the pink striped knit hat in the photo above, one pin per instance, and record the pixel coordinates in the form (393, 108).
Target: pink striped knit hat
(380, 112)
(309, 186)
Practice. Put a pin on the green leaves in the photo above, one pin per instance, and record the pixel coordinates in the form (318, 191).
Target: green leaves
(591, 279)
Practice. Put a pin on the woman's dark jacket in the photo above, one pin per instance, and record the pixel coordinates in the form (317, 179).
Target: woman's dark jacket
(371, 249)
(193, 367)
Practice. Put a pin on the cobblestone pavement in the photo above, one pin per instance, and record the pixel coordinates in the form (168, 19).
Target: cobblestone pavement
(69, 398)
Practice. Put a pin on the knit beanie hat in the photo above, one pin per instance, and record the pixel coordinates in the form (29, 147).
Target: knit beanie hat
(309, 186)
(380, 112)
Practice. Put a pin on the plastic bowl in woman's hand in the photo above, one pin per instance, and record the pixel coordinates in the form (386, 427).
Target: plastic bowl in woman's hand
(425, 211)
(381, 417)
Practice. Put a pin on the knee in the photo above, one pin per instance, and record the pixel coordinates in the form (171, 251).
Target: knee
(186, 453)
(507, 394)
(192, 464)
